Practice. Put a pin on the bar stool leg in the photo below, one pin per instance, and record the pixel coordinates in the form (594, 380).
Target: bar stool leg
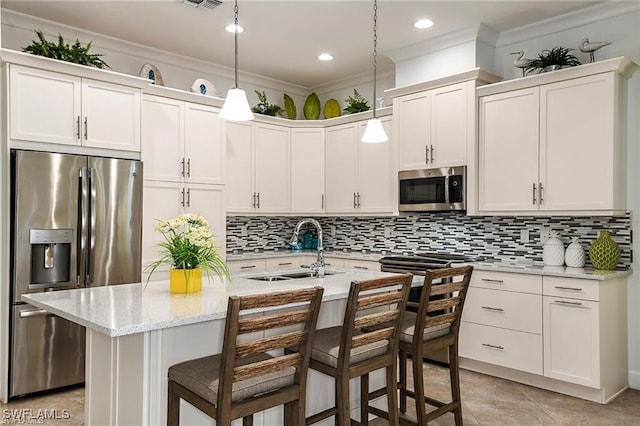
(392, 395)
(343, 415)
(418, 387)
(454, 374)
(173, 415)
(248, 420)
(364, 399)
(403, 381)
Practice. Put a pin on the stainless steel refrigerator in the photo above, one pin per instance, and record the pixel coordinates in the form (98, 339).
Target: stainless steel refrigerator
(76, 221)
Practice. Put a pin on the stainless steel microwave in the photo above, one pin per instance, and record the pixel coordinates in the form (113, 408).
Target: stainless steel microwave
(440, 189)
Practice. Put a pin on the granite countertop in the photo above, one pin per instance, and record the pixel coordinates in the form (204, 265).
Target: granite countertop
(125, 309)
(372, 256)
(552, 271)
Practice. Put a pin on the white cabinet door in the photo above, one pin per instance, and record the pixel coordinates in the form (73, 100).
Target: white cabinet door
(508, 151)
(111, 116)
(341, 169)
(162, 138)
(376, 173)
(271, 144)
(307, 170)
(362, 265)
(413, 129)
(571, 340)
(578, 159)
(240, 165)
(449, 126)
(162, 201)
(44, 106)
(208, 201)
(204, 149)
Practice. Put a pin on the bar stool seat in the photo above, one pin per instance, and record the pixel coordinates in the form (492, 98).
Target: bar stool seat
(326, 347)
(407, 329)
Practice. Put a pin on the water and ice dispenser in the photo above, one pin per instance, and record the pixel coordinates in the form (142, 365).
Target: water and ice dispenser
(50, 256)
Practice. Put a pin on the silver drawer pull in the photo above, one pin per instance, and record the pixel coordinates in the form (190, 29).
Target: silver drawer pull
(487, 345)
(488, 280)
(285, 263)
(489, 308)
(360, 267)
(568, 288)
(38, 313)
(564, 302)
(248, 267)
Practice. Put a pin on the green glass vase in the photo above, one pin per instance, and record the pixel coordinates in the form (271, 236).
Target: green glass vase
(604, 252)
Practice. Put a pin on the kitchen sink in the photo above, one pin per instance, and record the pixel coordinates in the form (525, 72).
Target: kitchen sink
(290, 276)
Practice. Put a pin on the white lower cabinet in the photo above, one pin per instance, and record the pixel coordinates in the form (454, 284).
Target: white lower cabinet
(570, 334)
(362, 265)
(280, 263)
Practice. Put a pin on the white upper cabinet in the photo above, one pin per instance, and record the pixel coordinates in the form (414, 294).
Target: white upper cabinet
(432, 127)
(557, 147)
(258, 164)
(182, 141)
(307, 170)
(359, 177)
(57, 108)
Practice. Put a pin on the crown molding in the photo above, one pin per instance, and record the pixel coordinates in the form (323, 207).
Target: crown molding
(351, 81)
(105, 44)
(481, 32)
(586, 16)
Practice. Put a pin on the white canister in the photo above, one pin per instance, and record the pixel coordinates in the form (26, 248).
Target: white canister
(574, 256)
(553, 251)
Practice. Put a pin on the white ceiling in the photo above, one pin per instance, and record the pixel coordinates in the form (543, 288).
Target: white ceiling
(283, 38)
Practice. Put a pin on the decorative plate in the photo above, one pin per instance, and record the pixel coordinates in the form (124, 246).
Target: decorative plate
(152, 73)
(204, 87)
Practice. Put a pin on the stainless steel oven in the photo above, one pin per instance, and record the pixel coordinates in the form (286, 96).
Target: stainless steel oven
(432, 189)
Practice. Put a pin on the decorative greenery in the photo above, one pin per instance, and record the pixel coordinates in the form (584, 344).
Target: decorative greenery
(557, 56)
(331, 109)
(264, 107)
(188, 244)
(62, 51)
(290, 107)
(356, 103)
(312, 107)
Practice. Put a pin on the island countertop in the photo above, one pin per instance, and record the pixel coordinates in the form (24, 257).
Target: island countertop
(125, 309)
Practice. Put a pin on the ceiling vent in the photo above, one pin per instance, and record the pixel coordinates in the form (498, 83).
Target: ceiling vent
(205, 4)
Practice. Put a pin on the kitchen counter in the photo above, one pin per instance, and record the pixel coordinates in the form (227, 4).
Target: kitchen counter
(134, 334)
(372, 256)
(552, 271)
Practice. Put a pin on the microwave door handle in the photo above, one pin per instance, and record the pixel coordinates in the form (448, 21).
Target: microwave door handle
(447, 198)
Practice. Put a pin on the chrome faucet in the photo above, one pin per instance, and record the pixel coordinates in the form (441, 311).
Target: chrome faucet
(318, 266)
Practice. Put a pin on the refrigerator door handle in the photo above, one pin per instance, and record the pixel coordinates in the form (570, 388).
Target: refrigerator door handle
(91, 215)
(79, 227)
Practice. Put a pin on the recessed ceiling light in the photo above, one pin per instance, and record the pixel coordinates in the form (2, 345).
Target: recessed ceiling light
(232, 28)
(423, 23)
(325, 57)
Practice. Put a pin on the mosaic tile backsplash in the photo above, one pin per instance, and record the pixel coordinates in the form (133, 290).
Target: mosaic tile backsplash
(452, 232)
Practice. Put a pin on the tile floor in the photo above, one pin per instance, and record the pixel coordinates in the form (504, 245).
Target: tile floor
(486, 401)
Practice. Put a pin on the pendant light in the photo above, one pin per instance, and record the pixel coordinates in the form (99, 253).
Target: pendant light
(236, 106)
(374, 132)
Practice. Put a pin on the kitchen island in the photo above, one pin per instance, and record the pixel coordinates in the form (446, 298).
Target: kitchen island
(134, 334)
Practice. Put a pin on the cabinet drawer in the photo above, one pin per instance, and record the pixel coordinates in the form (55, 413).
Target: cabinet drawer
(330, 262)
(505, 309)
(280, 263)
(362, 265)
(508, 348)
(572, 287)
(246, 266)
(507, 281)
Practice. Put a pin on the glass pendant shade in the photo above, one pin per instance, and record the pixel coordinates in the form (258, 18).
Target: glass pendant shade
(236, 107)
(374, 132)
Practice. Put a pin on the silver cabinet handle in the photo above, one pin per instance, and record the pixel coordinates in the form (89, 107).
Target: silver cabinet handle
(568, 288)
(322, 203)
(361, 267)
(86, 128)
(358, 200)
(432, 152)
(564, 302)
(258, 198)
(182, 197)
(248, 267)
(493, 346)
(188, 167)
(285, 263)
(354, 200)
(188, 197)
(254, 200)
(426, 154)
(78, 127)
(38, 313)
(182, 167)
(534, 194)
(540, 192)
(488, 280)
(489, 308)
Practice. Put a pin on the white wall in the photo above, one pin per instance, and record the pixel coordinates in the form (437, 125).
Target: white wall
(441, 63)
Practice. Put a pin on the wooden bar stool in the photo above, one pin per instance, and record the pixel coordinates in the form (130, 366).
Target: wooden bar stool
(244, 379)
(436, 325)
(367, 341)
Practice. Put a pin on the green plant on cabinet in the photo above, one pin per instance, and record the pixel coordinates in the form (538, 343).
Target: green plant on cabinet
(558, 57)
(356, 103)
(264, 107)
(75, 53)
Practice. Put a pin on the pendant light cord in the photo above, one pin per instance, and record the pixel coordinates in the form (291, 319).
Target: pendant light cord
(235, 11)
(375, 52)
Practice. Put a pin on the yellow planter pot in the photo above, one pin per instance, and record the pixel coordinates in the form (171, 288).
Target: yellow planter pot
(185, 280)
